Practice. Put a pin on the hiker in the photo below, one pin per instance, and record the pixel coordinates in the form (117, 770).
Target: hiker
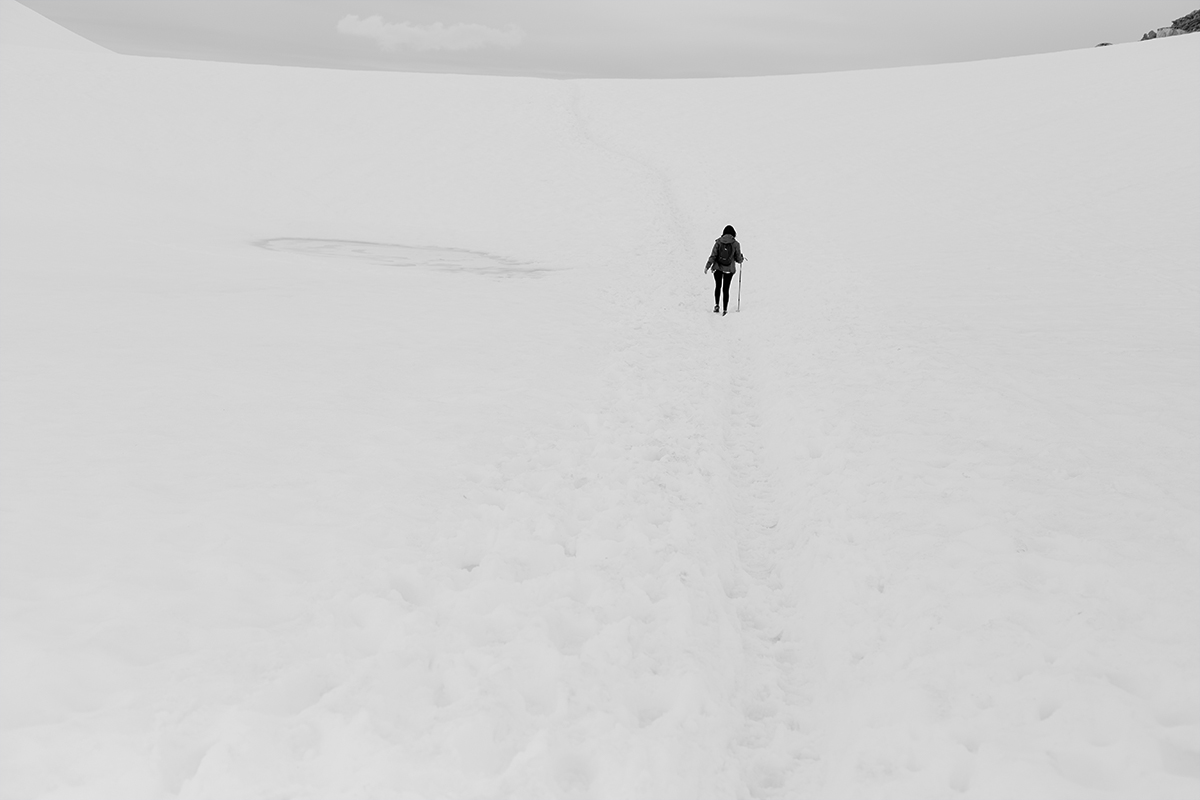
(726, 255)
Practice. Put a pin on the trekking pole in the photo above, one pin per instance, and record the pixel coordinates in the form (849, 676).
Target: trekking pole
(739, 305)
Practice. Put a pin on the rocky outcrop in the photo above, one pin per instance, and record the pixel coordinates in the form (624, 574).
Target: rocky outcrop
(1161, 32)
(1189, 23)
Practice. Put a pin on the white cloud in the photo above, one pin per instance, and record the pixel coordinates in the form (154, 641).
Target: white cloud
(460, 36)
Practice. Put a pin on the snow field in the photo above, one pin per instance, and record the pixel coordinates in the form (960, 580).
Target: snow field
(388, 518)
(395, 601)
(980, 381)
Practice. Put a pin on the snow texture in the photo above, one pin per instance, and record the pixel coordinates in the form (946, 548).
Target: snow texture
(371, 435)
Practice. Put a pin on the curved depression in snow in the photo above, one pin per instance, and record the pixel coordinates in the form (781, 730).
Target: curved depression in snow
(445, 259)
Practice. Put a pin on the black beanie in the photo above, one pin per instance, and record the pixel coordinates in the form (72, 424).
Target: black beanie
(729, 229)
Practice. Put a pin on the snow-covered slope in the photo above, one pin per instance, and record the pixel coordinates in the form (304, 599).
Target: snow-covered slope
(23, 27)
(369, 434)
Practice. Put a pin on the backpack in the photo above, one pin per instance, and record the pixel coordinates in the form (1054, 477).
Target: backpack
(724, 253)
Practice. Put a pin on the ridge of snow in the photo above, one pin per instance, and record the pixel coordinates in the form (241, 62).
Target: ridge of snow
(21, 26)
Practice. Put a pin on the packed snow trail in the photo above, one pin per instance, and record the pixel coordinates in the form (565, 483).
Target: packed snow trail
(780, 740)
(381, 453)
(772, 747)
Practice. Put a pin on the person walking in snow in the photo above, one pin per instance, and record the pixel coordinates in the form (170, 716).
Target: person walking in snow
(723, 260)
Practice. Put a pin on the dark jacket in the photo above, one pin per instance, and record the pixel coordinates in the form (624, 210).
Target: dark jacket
(737, 255)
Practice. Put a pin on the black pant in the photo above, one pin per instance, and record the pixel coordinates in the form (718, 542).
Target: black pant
(723, 281)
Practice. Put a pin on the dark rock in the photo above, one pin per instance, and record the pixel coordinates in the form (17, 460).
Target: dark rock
(1189, 23)
(1104, 44)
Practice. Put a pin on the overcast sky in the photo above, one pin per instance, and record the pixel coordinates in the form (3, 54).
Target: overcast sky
(607, 38)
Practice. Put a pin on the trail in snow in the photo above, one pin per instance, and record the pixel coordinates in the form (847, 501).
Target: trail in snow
(773, 741)
(779, 741)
